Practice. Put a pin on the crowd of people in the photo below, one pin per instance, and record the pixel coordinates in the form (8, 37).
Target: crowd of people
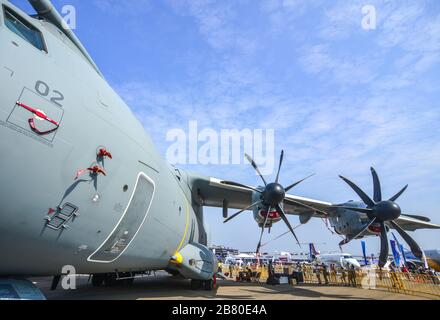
(416, 273)
(415, 270)
(323, 274)
(328, 275)
(404, 279)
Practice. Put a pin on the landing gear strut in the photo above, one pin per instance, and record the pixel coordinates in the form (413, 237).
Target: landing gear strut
(111, 280)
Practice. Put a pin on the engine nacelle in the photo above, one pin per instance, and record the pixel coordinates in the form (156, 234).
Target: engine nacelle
(347, 222)
(260, 213)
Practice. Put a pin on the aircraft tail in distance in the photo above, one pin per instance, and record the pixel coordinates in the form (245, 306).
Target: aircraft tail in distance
(313, 253)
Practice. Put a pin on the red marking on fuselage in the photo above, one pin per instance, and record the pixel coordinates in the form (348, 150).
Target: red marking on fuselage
(38, 113)
(103, 153)
(273, 215)
(94, 170)
(41, 116)
(375, 229)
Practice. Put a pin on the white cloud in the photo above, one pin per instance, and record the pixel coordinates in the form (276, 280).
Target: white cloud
(342, 20)
(344, 70)
(118, 7)
(215, 20)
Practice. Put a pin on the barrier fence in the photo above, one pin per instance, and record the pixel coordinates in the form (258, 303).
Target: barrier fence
(369, 279)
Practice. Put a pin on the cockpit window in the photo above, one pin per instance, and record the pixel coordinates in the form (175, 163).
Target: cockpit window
(24, 29)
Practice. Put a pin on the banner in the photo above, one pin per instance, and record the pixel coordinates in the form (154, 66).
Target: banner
(396, 254)
(425, 260)
(397, 241)
(364, 251)
(402, 250)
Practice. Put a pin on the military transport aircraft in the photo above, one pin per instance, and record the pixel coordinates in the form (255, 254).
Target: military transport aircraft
(83, 184)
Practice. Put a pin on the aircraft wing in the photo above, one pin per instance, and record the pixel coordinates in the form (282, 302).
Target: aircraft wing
(324, 208)
(412, 223)
(213, 192)
(216, 192)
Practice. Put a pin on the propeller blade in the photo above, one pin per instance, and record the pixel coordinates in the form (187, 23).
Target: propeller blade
(283, 216)
(296, 203)
(279, 167)
(256, 168)
(235, 184)
(241, 211)
(384, 247)
(377, 187)
(426, 219)
(397, 196)
(348, 240)
(262, 229)
(415, 248)
(365, 198)
(297, 183)
(361, 210)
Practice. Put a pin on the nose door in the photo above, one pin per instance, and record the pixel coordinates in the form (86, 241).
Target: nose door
(130, 223)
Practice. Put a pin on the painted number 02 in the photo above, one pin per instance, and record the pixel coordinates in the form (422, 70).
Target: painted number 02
(55, 96)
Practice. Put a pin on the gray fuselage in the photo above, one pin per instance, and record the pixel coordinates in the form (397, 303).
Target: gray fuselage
(38, 171)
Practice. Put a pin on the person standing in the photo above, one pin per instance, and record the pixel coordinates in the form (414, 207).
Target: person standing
(343, 276)
(352, 276)
(317, 271)
(325, 274)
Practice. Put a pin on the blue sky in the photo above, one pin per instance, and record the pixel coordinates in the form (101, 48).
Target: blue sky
(340, 98)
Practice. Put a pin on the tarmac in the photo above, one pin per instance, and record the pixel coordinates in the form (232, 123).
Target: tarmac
(164, 287)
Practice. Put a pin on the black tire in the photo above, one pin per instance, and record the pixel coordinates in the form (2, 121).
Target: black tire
(128, 282)
(208, 285)
(196, 284)
(97, 280)
(110, 280)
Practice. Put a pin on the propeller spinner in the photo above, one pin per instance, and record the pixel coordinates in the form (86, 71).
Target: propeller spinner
(384, 213)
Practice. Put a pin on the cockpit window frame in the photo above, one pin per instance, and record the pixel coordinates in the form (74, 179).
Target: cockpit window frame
(8, 10)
